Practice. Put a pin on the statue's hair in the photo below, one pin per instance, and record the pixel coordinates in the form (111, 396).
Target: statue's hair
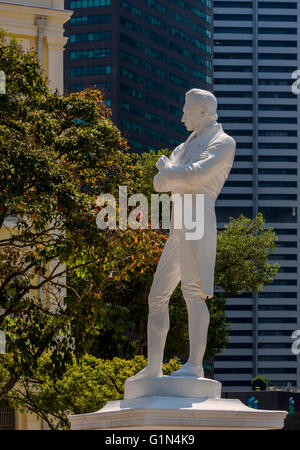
(204, 100)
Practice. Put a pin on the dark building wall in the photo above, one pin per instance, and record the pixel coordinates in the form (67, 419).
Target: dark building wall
(158, 51)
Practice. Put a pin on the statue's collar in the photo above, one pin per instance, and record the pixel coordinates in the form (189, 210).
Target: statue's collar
(211, 129)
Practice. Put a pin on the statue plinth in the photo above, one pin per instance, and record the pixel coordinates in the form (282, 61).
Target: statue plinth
(172, 387)
(177, 403)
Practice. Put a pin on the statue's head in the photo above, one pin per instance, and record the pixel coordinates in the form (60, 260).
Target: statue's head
(200, 109)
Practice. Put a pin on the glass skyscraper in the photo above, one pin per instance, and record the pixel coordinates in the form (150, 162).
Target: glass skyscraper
(145, 54)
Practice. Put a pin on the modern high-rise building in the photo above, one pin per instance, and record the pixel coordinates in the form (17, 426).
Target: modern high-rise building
(145, 54)
(256, 50)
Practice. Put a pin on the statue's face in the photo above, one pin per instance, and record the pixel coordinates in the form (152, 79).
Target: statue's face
(194, 118)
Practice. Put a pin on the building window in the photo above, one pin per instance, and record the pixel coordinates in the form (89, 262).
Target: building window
(179, 65)
(156, 5)
(155, 37)
(277, 184)
(156, 135)
(155, 70)
(75, 4)
(201, 14)
(276, 18)
(80, 86)
(278, 5)
(276, 95)
(153, 101)
(235, 81)
(201, 45)
(231, 17)
(131, 25)
(277, 158)
(233, 43)
(175, 111)
(224, 213)
(154, 118)
(179, 34)
(201, 61)
(174, 142)
(179, 49)
(155, 54)
(88, 37)
(278, 294)
(277, 307)
(131, 41)
(135, 144)
(178, 128)
(276, 69)
(131, 109)
(155, 21)
(177, 96)
(179, 81)
(263, 43)
(274, 30)
(233, 69)
(232, 4)
(131, 8)
(281, 146)
(132, 126)
(90, 70)
(126, 73)
(96, 53)
(292, 120)
(233, 30)
(155, 86)
(179, 18)
(132, 92)
(279, 215)
(182, 4)
(277, 133)
(218, 55)
(277, 320)
(132, 59)
(90, 20)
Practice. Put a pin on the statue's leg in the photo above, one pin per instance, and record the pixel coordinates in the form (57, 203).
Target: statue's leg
(166, 278)
(198, 316)
(197, 277)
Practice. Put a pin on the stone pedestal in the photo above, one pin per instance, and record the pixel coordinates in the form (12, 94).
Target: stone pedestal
(182, 403)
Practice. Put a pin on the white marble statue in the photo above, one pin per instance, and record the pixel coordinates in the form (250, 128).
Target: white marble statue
(199, 165)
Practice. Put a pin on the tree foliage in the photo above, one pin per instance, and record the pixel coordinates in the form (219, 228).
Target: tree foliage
(260, 383)
(86, 386)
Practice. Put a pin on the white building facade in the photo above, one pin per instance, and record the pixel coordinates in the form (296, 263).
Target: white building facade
(256, 50)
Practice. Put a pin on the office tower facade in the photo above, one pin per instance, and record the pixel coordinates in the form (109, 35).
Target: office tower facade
(145, 54)
(256, 50)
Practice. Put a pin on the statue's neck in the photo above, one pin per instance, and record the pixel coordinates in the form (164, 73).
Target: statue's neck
(205, 127)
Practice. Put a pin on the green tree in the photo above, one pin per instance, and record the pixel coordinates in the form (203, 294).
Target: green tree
(56, 155)
(260, 383)
(86, 386)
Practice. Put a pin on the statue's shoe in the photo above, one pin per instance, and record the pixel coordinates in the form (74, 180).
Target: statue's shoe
(147, 372)
(189, 370)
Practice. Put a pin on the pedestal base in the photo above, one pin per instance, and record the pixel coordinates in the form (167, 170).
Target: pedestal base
(177, 403)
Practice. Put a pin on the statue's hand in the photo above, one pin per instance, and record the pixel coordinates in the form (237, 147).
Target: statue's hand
(163, 163)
